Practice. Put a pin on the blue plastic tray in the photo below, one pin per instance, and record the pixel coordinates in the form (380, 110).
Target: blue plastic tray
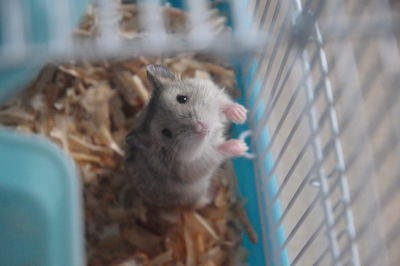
(40, 204)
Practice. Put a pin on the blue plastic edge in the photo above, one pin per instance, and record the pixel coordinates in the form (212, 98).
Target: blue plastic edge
(76, 245)
(247, 188)
(248, 181)
(261, 252)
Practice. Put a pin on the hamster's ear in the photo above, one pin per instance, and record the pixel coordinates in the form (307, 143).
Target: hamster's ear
(157, 75)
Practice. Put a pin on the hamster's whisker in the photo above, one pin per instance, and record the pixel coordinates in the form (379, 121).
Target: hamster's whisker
(178, 133)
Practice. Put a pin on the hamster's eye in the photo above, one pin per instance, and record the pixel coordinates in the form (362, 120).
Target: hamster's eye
(182, 99)
(166, 133)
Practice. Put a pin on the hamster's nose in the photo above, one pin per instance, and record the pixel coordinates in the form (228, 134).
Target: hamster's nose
(201, 128)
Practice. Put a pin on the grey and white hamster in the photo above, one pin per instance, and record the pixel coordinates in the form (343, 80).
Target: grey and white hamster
(179, 140)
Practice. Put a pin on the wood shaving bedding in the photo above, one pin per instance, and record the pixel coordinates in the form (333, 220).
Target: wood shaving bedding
(88, 109)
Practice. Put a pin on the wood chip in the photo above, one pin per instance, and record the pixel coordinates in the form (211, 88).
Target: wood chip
(88, 145)
(211, 254)
(83, 157)
(221, 199)
(111, 142)
(126, 87)
(241, 213)
(213, 68)
(72, 72)
(162, 258)
(15, 114)
(140, 89)
(111, 231)
(141, 238)
(206, 225)
(190, 253)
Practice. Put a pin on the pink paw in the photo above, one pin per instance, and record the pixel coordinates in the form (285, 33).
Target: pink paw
(235, 112)
(233, 147)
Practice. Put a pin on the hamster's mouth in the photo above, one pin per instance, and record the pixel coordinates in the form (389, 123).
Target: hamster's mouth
(201, 129)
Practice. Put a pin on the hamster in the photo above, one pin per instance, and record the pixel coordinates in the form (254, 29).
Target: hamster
(178, 142)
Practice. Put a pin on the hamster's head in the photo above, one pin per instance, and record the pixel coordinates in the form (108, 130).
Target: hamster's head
(183, 114)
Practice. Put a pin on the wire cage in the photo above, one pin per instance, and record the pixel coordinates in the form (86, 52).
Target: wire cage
(321, 82)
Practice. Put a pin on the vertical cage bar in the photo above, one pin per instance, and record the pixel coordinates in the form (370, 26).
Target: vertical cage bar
(13, 28)
(200, 34)
(324, 186)
(60, 25)
(108, 17)
(337, 147)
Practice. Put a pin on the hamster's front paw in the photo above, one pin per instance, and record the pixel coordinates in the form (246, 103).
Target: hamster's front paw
(235, 113)
(233, 147)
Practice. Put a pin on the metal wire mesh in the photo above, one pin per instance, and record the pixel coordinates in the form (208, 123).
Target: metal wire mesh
(328, 73)
(329, 102)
